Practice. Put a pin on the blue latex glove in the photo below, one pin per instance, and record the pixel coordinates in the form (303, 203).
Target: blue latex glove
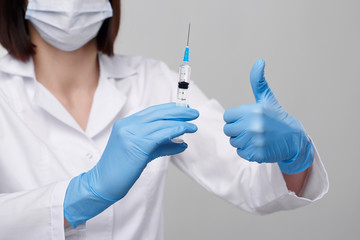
(133, 143)
(265, 132)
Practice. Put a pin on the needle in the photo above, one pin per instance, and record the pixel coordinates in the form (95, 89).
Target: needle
(188, 39)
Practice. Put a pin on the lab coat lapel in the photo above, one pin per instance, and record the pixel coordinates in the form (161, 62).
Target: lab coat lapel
(108, 100)
(48, 102)
(15, 95)
(23, 73)
(42, 96)
(107, 103)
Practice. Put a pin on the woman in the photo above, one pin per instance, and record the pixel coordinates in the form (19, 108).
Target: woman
(86, 136)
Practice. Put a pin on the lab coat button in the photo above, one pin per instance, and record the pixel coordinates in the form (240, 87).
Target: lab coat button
(89, 155)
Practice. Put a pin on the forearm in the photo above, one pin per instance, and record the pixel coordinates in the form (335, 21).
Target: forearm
(295, 182)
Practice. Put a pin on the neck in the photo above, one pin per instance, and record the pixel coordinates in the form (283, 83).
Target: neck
(65, 72)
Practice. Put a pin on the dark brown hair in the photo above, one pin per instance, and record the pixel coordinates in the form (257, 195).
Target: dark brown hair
(14, 34)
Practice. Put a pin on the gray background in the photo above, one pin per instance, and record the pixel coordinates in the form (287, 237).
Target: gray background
(312, 49)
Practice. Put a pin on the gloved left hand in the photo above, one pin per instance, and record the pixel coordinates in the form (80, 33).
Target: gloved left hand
(265, 133)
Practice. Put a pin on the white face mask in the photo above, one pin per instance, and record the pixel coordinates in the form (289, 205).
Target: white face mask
(68, 25)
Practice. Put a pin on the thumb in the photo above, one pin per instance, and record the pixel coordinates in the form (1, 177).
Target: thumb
(260, 87)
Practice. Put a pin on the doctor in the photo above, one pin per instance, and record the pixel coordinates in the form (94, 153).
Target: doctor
(86, 136)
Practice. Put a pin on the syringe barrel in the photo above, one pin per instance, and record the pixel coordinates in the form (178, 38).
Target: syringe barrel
(184, 72)
(182, 97)
(183, 86)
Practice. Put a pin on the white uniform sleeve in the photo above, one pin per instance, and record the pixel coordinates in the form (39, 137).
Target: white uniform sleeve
(212, 162)
(34, 214)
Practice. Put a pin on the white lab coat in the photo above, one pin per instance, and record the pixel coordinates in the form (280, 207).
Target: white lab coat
(42, 147)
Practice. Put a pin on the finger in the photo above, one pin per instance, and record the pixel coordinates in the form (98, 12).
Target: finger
(252, 153)
(236, 113)
(242, 140)
(169, 133)
(247, 154)
(237, 128)
(169, 148)
(168, 112)
(146, 129)
(260, 87)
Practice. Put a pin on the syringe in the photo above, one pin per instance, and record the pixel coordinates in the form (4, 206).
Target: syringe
(184, 81)
(184, 76)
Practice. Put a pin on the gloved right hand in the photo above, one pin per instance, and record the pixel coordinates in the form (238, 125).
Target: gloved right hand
(133, 143)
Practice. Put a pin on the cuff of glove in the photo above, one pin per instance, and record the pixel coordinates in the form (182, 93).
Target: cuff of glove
(81, 203)
(302, 161)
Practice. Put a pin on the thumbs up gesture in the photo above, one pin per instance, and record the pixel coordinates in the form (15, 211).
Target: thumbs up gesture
(265, 133)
